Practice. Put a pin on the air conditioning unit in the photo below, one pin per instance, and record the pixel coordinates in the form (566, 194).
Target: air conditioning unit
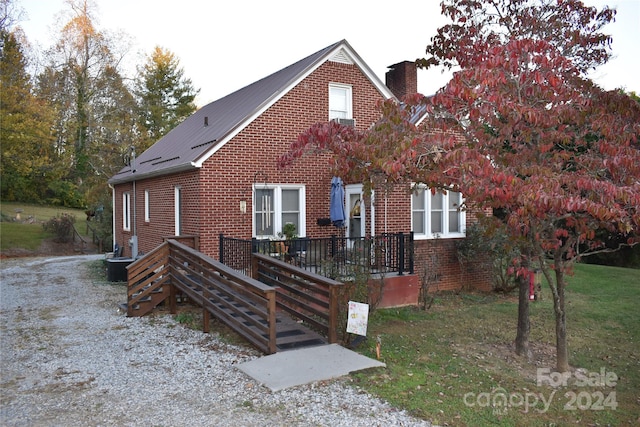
(346, 122)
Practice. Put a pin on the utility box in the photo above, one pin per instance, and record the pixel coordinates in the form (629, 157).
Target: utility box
(117, 269)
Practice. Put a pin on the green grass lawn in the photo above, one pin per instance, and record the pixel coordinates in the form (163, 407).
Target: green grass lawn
(26, 232)
(453, 364)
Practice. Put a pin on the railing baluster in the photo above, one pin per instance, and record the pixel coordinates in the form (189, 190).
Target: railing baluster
(400, 240)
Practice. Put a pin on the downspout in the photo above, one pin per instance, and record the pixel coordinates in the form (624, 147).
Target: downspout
(133, 243)
(386, 199)
(113, 217)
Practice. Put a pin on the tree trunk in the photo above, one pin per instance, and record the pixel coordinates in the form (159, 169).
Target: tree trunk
(562, 351)
(522, 334)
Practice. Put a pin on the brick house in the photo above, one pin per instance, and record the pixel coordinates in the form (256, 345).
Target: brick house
(215, 172)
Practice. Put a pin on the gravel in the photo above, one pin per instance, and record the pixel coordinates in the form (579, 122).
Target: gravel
(71, 358)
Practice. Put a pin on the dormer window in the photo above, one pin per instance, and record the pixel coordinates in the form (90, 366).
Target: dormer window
(340, 101)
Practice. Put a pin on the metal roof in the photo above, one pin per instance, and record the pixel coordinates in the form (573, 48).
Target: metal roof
(199, 136)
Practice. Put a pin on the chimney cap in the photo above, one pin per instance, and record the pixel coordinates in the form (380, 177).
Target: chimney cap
(391, 67)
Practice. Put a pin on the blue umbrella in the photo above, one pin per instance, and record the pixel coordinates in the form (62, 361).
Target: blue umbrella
(336, 208)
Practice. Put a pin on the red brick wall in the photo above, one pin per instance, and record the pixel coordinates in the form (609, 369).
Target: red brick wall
(161, 204)
(448, 273)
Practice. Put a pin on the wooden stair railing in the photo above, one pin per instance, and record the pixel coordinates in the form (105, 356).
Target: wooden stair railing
(246, 305)
(304, 295)
(148, 281)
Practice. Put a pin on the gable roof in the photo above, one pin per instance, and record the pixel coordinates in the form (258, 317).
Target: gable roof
(198, 137)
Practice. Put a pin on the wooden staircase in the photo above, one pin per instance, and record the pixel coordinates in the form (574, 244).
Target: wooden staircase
(149, 281)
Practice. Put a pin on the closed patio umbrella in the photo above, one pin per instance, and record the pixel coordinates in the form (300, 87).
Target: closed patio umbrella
(336, 208)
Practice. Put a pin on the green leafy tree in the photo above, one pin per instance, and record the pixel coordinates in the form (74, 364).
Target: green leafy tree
(165, 96)
(28, 161)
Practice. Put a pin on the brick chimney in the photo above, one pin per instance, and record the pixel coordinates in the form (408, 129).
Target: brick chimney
(402, 79)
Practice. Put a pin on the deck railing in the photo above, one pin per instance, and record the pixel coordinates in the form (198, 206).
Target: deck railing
(330, 256)
(307, 297)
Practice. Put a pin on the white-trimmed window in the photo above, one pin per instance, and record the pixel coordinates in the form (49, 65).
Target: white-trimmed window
(276, 205)
(177, 213)
(340, 101)
(437, 215)
(126, 211)
(147, 213)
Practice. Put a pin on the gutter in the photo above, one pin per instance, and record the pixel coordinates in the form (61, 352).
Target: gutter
(183, 167)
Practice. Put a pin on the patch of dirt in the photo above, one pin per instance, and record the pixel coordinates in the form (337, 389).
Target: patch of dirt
(49, 247)
(498, 356)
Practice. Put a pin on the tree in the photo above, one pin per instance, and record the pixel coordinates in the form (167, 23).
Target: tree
(9, 15)
(94, 109)
(28, 161)
(518, 128)
(165, 96)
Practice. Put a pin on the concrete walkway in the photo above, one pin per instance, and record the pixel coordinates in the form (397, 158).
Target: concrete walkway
(302, 366)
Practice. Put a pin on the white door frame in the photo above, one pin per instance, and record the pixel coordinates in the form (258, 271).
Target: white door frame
(353, 192)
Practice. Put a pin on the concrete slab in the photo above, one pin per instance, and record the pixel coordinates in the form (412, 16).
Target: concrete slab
(306, 365)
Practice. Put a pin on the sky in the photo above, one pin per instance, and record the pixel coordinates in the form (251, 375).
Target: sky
(225, 45)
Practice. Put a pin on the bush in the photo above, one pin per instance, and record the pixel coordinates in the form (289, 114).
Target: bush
(61, 226)
(488, 246)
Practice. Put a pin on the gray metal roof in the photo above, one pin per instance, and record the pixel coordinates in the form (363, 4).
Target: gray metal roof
(190, 143)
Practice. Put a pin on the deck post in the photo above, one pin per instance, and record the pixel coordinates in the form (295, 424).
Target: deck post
(205, 320)
(332, 333)
(255, 266)
(271, 310)
(172, 299)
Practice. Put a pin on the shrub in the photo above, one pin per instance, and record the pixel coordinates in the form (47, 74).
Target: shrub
(488, 246)
(61, 226)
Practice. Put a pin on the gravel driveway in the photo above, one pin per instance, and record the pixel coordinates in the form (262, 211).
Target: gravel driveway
(70, 358)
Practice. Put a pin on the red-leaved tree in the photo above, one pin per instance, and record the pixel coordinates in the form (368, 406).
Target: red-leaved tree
(518, 128)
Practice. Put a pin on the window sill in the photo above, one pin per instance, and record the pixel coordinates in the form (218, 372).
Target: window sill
(438, 236)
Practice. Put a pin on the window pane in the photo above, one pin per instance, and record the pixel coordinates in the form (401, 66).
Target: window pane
(436, 201)
(454, 200)
(417, 215)
(454, 222)
(290, 201)
(291, 208)
(418, 222)
(126, 209)
(264, 208)
(338, 100)
(418, 199)
(454, 213)
(436, 222)
(436, 213)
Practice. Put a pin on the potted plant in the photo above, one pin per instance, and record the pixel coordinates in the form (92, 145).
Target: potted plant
(288, 233)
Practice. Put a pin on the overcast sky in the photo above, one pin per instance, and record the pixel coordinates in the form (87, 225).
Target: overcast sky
(226, 45)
